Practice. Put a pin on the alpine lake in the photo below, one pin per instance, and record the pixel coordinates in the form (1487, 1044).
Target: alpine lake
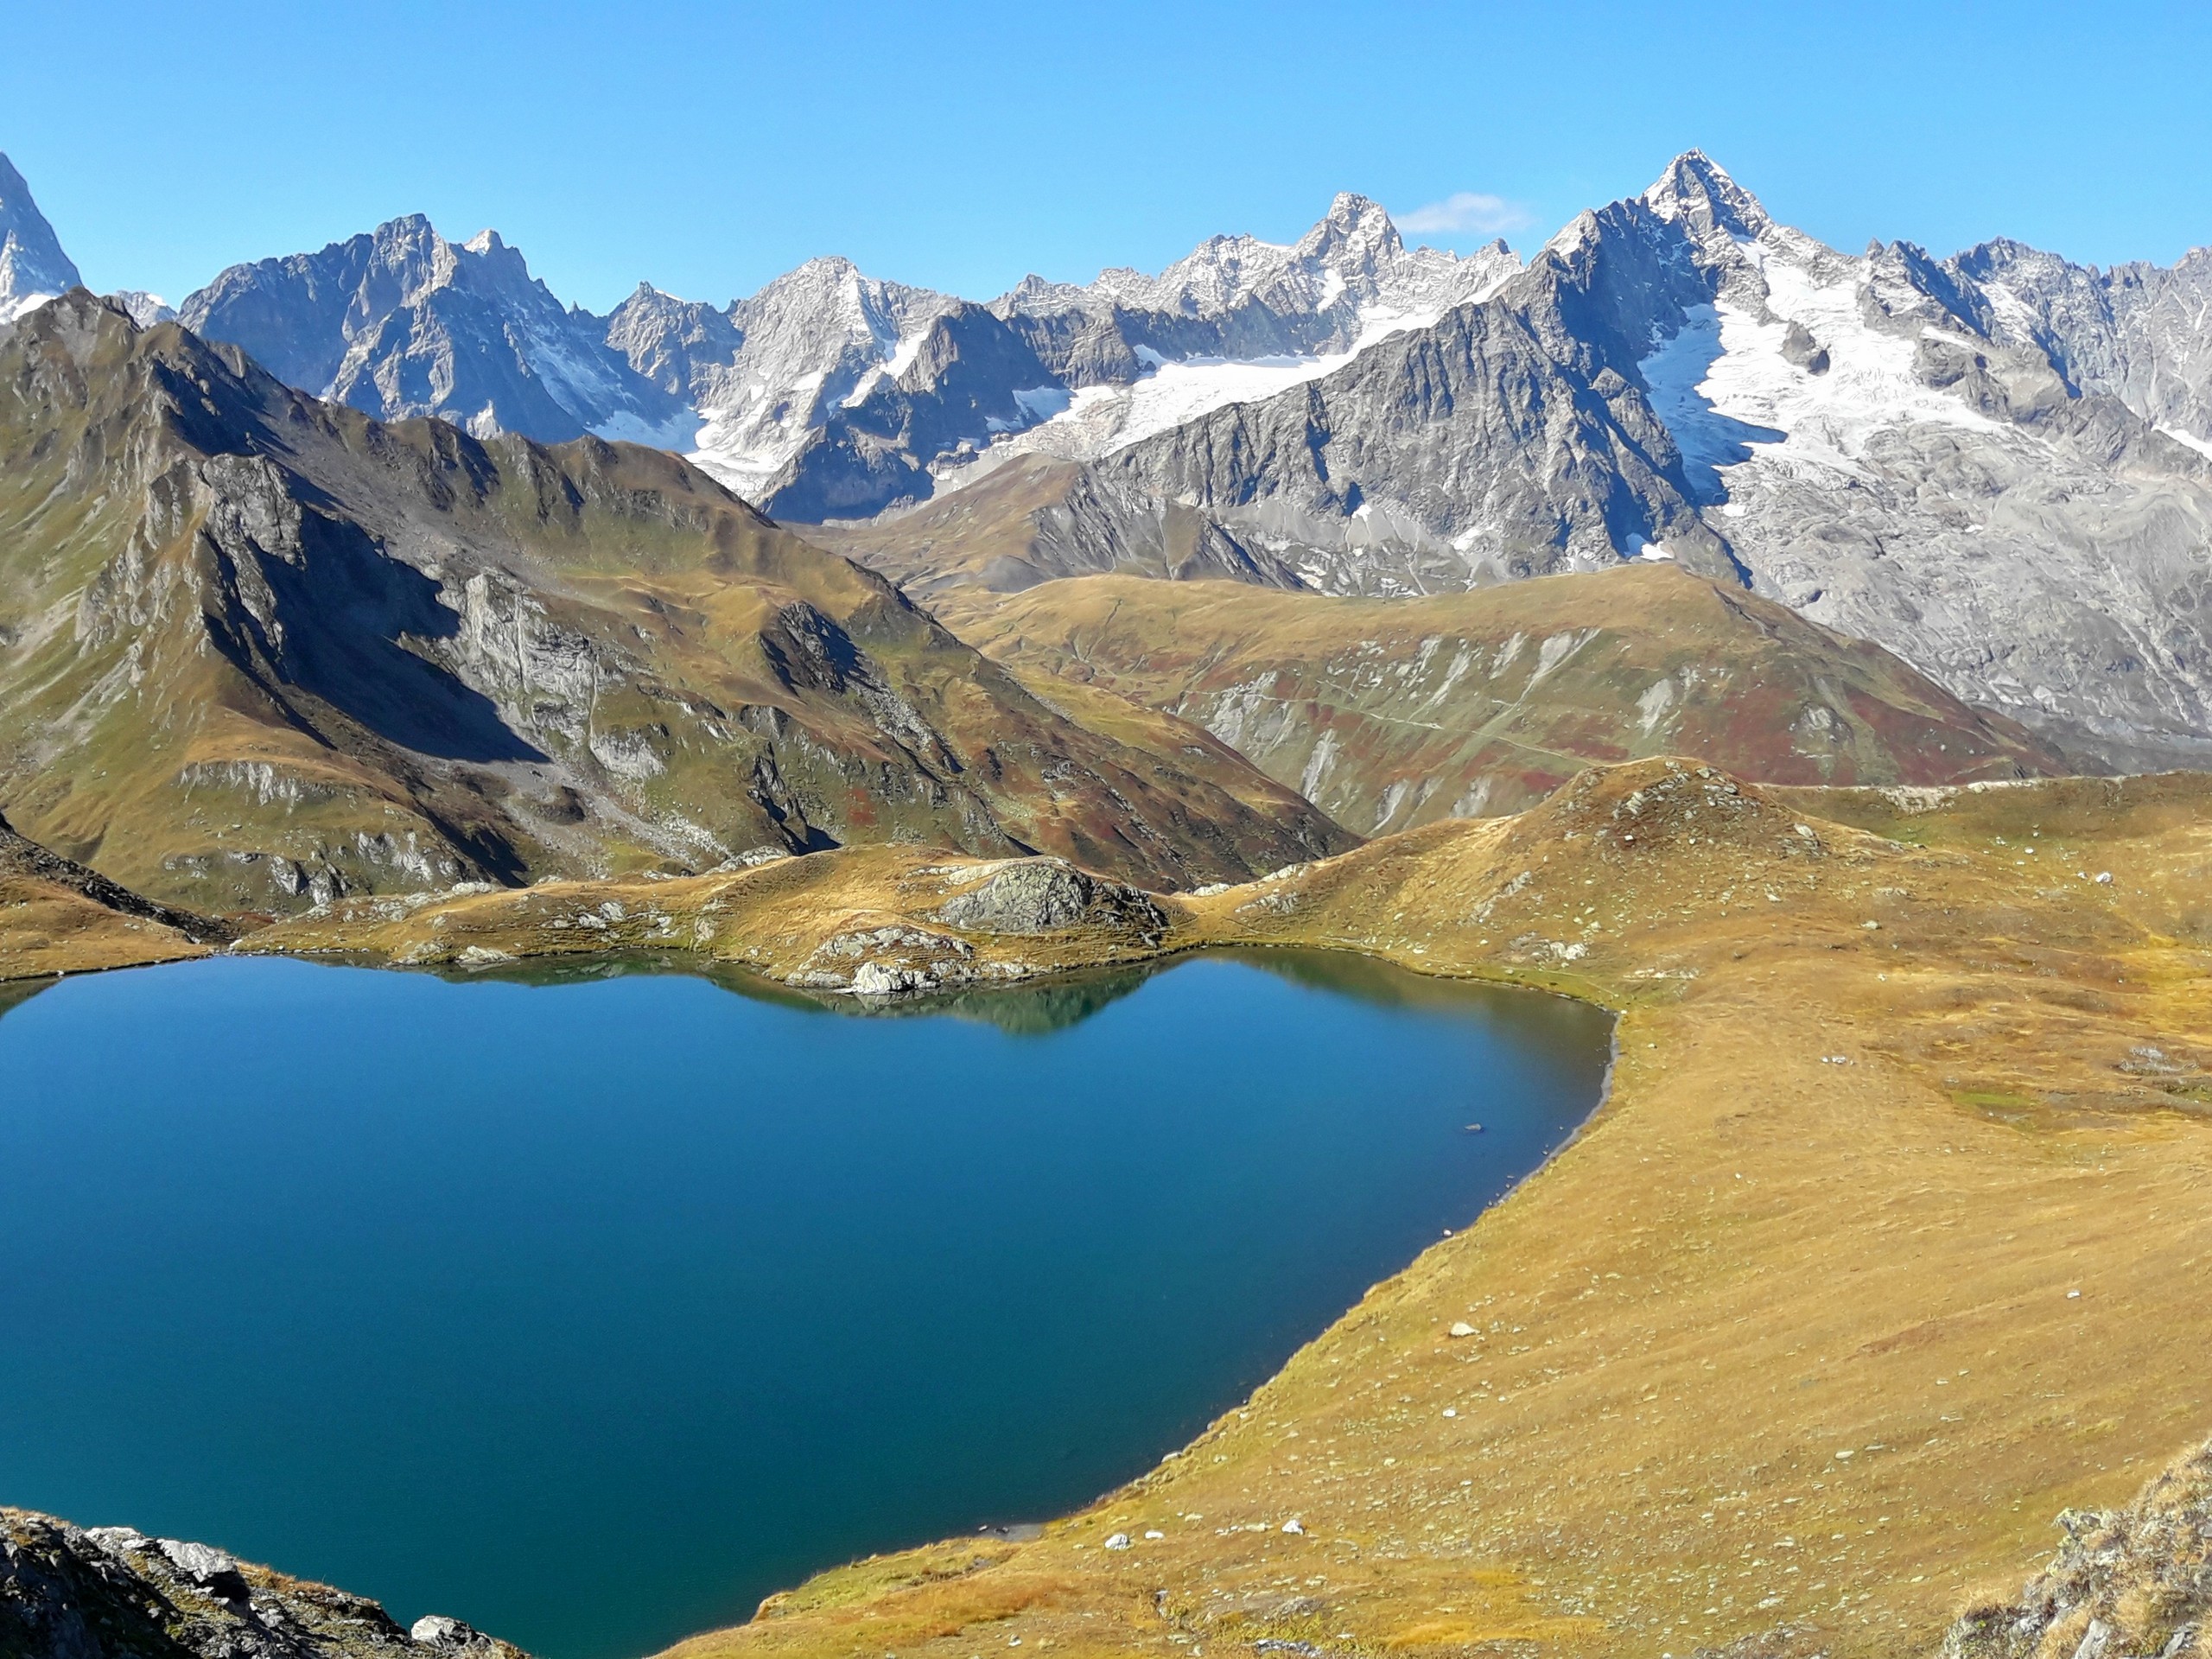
(591, 1305)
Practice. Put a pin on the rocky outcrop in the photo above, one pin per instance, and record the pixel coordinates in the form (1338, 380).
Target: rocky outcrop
(2132, 1583)
(1045, 900)
(111, 1592)
(1047, 896)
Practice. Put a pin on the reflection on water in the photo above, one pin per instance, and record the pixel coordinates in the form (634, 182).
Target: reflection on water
(1036, 1007)
(410, 1283)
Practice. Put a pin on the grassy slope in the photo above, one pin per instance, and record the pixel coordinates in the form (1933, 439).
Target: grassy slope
(1752, 1261)
(986, 535)
(58, 918)
(1391, 714)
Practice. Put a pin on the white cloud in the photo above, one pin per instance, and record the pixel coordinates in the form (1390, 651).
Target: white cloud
(1465, 211)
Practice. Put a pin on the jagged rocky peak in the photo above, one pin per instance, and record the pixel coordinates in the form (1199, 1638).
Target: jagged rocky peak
(33, 267)
(2135, 332)
(833, 294)
(672, 342)
(399, 321)
(1355, 228)
(1697, 191)
(1352, 259)
(1905, 284)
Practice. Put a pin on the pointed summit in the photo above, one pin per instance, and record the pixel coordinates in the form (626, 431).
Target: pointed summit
(1354, 224)
(32, 268)
(1697, 191)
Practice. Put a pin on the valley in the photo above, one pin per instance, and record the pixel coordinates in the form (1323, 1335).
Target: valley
(1800, 656)
(1897, 1075)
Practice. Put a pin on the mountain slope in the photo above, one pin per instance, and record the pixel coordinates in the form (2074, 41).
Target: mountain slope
(32, 268)
(1034, 520)
(257, 650)
(1392, 713)
(57, 916)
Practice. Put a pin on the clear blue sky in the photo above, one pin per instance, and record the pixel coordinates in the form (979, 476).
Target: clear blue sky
(708, 147)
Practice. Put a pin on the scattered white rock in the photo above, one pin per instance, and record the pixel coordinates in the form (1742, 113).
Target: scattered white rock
(1119, 1541)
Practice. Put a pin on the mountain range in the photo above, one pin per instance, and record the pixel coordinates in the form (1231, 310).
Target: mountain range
(1996, 467)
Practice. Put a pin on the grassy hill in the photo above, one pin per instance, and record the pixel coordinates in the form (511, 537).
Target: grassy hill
(1389, 713)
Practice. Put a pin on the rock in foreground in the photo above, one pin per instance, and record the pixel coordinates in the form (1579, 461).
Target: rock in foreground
(2126, 1584)
(109, 1592)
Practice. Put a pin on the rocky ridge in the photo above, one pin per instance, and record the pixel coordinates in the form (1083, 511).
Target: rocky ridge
(111, 1593)
(829, 393)
(24, 860)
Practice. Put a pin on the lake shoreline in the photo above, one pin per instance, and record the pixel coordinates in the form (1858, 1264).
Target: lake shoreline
(1870, 1116)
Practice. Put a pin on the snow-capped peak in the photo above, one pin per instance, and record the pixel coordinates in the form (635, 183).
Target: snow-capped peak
(145, 309)
(1354, 225)
(32, 268)
(1697, 191)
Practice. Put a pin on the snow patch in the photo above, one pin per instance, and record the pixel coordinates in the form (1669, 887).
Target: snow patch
(1099, 420)
(679, 432)
(1044, 403)
(1729, 395)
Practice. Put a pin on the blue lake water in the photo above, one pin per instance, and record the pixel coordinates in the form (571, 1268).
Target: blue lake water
(592, 1309)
